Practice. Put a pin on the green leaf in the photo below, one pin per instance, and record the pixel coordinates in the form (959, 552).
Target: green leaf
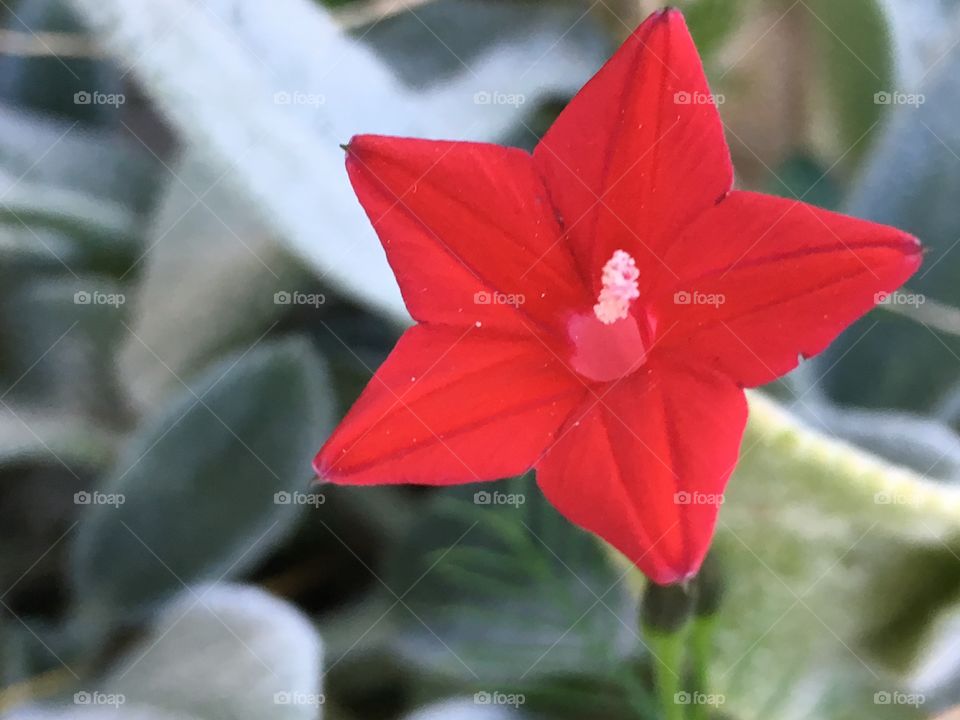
(226, 651)
(854, 49)
(537, 50)
(60, 335)
(103, 164)
(465, 709)
(911, 182)
(194, 492)
(14, 657)
(258, 90)
(101, 712)
(32, 436)
(98, 229)
(48, 82)
(220, 259)
(34, 249)
(927, 446)
(216, 652)
(494, 566)
(89, 184)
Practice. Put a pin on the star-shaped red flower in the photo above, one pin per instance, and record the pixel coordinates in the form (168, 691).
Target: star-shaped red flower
(595, 310)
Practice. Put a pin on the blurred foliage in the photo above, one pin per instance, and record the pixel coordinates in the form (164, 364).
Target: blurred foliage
(922, 142)
(508, 560)
(150, 350)
(270, 400)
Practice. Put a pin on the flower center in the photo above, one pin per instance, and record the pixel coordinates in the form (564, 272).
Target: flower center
(610, 343)
(620, 287)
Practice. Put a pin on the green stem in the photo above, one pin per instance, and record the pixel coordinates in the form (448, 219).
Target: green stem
(701, 640)
(667, 649)
(665, 614)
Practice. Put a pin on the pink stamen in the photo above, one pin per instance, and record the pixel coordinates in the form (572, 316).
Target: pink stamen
(620, 287)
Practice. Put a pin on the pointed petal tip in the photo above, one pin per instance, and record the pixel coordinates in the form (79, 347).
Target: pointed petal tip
(662, 17)
(914, 251)
(353, 145)
(911, 242)
(321, 468)
(916, 247)
(656, 18)
(667, 13)
(350, 146)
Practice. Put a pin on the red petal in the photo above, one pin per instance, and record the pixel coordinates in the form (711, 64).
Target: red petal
(628, 163)
(452, 406)
(791, 278)
(460, 222)
(645, 467)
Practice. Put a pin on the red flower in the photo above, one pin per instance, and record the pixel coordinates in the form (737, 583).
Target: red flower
(594, 310)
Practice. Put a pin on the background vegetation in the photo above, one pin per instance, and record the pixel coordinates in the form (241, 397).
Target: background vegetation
(190, 298)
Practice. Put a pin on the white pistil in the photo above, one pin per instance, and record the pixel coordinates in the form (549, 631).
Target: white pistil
(620, 287)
